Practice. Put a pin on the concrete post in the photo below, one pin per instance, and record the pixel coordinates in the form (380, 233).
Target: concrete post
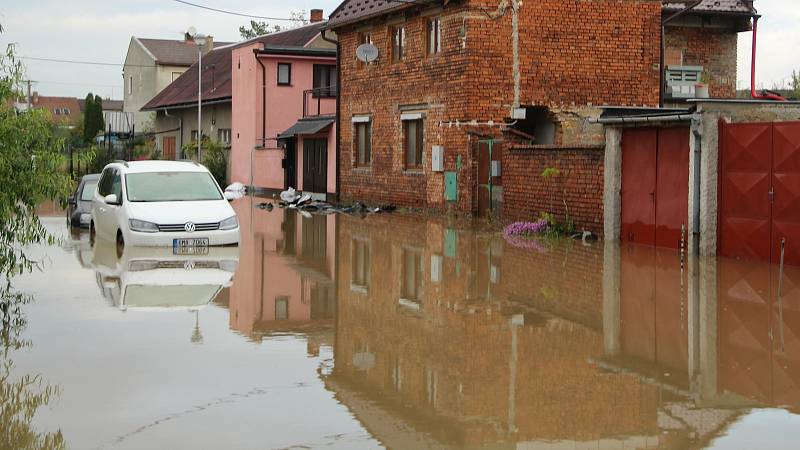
(612, 202)
(612, 273)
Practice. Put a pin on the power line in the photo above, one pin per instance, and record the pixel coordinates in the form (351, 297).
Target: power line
(232, 12)
(79, 84)
(74, 61)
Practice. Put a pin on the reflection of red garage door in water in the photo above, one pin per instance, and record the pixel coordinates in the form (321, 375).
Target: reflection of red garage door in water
(655, 185)
(759, 191)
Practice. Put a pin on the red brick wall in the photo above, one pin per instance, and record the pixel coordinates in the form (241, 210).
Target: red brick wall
(572, 53)
(714, 50)
(580, 184)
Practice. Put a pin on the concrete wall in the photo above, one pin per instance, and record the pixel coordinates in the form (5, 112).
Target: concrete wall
(214, 117)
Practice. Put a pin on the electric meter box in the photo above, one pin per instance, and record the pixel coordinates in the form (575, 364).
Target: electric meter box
(437, 158)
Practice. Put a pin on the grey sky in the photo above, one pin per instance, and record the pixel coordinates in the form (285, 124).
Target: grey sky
(100, 30)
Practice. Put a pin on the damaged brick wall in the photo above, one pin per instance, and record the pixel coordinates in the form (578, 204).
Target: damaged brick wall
(715, 50)
(579, 184)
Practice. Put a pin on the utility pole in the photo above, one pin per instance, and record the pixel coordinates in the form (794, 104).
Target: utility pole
(29, 94)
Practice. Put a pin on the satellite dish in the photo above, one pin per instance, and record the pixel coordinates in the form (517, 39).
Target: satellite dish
(367, 53)
(191, 32)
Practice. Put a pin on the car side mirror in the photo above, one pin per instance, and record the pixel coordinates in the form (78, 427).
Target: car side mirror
(111, 199)
(231, 195)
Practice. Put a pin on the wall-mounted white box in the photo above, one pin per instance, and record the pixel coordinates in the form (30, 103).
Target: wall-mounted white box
(436, 268)
(437, 158)
(496, 168)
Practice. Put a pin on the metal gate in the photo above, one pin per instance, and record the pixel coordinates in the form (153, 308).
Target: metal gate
(655, 185)
(759, 191)
(490, 191)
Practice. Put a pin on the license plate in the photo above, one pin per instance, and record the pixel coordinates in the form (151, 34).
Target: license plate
(190, 246)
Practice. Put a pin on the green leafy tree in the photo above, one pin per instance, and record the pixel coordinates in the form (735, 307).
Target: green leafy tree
(93, 122)
(99, 121)
(256, 28)
(31, 171)
(215, 158)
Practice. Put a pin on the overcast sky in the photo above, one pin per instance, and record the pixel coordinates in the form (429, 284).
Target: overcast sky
(100, 30)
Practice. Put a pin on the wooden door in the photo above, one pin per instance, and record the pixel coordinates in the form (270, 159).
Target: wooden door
(168, 148)
(315, 165)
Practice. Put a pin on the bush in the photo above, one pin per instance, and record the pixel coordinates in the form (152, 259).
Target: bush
(215, 158)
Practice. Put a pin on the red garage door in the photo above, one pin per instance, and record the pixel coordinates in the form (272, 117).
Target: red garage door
(655, 185)
(759, 191)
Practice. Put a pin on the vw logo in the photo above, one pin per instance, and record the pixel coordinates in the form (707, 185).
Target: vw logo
(189, 227)
(188, 265)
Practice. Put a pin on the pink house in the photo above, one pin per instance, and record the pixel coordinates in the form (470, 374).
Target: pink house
(283, 111)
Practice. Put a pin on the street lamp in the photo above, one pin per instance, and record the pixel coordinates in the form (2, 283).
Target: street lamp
(200, 40)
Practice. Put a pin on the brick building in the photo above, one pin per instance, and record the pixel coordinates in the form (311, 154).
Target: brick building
(450, 76)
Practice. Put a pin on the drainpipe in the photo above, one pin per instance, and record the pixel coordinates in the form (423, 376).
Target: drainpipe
(662, 69)
(180, 126)
(263, 100)
(338, 103)
(766, 95)
(698, 143)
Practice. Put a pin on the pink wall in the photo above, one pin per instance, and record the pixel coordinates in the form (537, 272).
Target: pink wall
(284, 108)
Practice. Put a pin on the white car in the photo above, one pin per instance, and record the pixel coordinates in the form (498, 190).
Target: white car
(162, 203)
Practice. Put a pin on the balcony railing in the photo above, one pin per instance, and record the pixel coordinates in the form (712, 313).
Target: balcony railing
(319, 101)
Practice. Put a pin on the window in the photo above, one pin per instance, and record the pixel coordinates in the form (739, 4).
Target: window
(194, 135)
(324, 81)
(130, 85)
(362, 136)
(434, 36)
(224, 135)
(116, 185)
(88, 190)
(411, 288)
(361, 263)
(281, 308)
(175, 75)
(398, 43)
(413, 143)
(104, 185)
(57, 111)
(65, 111)
(171, 187)
(365, 38)
(284, 74)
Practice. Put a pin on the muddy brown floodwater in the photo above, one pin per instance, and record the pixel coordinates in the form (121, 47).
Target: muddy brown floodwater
(407, 333)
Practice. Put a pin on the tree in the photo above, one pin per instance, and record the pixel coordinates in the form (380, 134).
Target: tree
(32, 169)
(796, 84)
(89, 127)
(256, 29)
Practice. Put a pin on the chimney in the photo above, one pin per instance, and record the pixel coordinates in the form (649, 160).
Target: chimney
(316, 16)
(35, 98)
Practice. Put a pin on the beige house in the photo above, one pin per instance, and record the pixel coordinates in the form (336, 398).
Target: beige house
(150, 66)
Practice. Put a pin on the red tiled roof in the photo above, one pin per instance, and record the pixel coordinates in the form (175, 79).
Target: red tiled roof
(71, 104)
(217, 69)
(173, 52)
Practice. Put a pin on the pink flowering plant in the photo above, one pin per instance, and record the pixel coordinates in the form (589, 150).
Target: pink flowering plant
(524, 234)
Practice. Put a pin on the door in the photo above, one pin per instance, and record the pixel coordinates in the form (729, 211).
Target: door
(489, 182)
(315, 165)
(759, 191)
(168, 148)
(290, 164)
(655, 186)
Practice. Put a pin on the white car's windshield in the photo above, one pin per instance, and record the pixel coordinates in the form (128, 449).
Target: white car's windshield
(88, 190)
(171, 187)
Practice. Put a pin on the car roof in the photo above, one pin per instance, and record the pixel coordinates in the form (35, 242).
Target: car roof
(159, 166)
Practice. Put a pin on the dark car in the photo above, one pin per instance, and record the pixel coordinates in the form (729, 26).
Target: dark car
(79, 213)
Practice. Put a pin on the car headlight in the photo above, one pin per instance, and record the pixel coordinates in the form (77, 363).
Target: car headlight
(142, 226)
(229, 224)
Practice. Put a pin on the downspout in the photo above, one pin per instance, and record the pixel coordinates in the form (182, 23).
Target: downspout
(180, 127)
(698, 145)
(263, 99)
(662, 69)
(338, 104)
(766, 95)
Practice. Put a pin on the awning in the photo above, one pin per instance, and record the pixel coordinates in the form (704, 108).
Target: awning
(307, 126)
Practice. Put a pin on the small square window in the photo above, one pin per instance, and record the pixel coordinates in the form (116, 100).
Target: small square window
(224, 136)
(284, 74)
(57, 111)
(65, 111)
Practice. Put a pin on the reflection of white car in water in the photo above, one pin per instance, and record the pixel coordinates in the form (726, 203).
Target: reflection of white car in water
(162, 203)
(151, 278)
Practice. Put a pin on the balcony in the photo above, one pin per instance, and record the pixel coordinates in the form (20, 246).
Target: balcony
(319, 101)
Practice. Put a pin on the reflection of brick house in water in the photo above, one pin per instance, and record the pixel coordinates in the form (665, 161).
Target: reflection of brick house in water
(284, 281)
(424, 329)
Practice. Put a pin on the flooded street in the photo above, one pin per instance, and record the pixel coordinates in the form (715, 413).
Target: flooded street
(394, 331)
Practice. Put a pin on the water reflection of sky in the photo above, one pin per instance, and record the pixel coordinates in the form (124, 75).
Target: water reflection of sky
(409, 333)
